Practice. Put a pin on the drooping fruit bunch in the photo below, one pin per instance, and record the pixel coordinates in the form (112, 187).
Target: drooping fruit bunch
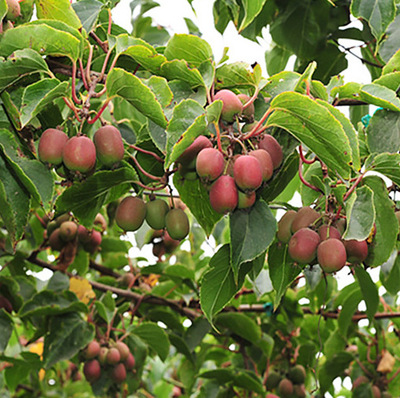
(79, 153)
(288, 384)
(133, 211)
(309, 240)
(64, 231)
(112, 360)
(232, 180)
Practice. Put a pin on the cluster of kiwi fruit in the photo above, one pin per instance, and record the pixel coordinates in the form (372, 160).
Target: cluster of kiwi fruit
(287, 385)
(312, 238)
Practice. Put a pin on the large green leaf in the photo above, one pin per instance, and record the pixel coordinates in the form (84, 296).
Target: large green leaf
(67, 335)
(34, 175)
(251, 9)
(386, 223)
(383, 132)
(316, 127)
(378, 14)
(87, 11)
(179, 70)
(39, 95)
(218, 284)
(85, 199)
(237, 74)
(239, 324)
(282, 271)
(387, 164)
(360, 212)
(14, 202)
(190, 48)
(7, 326)
(369, 291)
(187, 122)
(155, 338)
(20, 64)
(128, 86)
(252, 231)
(60, 10)
(379, 95)
(195, 196)
(43, 38)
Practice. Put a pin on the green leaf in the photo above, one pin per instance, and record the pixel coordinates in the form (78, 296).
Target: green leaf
(85, 199)
(6, 326)
(180, 70)
(349, 131)
(237, 74)
(390, 273)
(349, 307)
(60, 10)
(48, 302)
(35, 176)
(251, 9)
(276, 59)
(3, 9)
(14, 202)
(196, 332)
(332, 368)
(39, 95)
(155, 338)
(360, 212)
(43, 38)
(282, 271)
(386, 223)
(252, 231)
(20, 64)
(68, 334)
(378, 95)
(239, 324)
(369, 291)
(378, 14)
(160, 88)
(188, 122)
(87, 11)
(315, 126)
(195, 196)
(192, 49)
(218, 284)
(130, 87)
(383, 132)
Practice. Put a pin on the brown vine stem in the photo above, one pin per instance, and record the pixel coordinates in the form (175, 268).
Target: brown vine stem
(181, 308)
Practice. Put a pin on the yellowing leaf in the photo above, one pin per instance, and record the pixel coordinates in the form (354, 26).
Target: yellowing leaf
(37, 348)
(386, 363)
(82, 289)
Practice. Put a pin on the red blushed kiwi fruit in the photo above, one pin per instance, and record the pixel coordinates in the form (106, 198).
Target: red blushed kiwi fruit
(68, 231)
(119, 373)
(92, 370)
(357, 251)
(109, 145)
(51, 145)
(123, 350)
(285, 388)
(304, 218)
(130, 362)
(55, 241)
(190, 153)
(271, 145)
(328, 232)
(246, 200)
(210, 164)
(232, 106)
(94, 242)
(14, 10)
(331, 255)
(177, 224)
(113, 356)
(224, 195)
(79, 154)
(284, 232)
(130, 213)
(266, 164)
(303, 245)
(92, 350)
(247, 173)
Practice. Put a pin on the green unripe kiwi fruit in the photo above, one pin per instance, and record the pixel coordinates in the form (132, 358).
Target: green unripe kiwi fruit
(177, 224)
(156, 210)
(130, 213)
